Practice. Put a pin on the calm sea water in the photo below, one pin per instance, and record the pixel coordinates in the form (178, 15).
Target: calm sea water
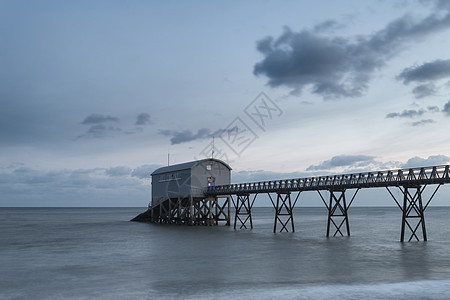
(84, 253)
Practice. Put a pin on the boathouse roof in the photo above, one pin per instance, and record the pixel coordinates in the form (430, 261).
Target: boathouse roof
(186, 166)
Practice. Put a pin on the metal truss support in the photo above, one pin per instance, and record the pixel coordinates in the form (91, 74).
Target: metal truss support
(191, 211)
(413, 211)
(283, 211)
(243, 207)
(222, 211)
(338, 212)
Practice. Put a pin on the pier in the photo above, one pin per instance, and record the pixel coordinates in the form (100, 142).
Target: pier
(337, 192)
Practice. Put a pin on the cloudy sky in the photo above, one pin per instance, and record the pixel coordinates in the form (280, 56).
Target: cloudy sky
(95, 94)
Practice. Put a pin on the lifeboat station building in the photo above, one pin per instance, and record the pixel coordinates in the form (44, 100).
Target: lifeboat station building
(179, 193)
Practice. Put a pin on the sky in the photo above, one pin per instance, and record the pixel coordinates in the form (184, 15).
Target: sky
(95, 95)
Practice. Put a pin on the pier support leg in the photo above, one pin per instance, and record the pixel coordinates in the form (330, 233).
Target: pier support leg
(210, 201)
(171, 214)
(191, 211)
(229, 211)
(283, 212)
(152, 211)
(337, 212)
(164, 211)
(413, 210)
(179, 217)
(183, 211)
(243, 207)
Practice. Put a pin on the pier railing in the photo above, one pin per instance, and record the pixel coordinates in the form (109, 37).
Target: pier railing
(389, 178)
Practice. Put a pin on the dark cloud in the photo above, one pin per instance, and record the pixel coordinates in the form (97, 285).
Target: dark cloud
(424, 90)
(143, 119)
(431, 71)
(434, 160)
(98, 119)
(423, 122)
(343, 161)
(427, 72)
(178, 137)
(411, 113)
(446, 108)
(337, 66)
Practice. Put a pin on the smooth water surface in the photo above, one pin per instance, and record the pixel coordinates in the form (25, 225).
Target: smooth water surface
(83, 253)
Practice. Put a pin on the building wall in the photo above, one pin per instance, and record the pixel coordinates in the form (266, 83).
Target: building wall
(205, 169)
(171, 185)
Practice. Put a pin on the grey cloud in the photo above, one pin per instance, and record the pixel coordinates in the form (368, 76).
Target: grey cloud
(25, 175)
(362, 163)
(431, 71)
(433, 108)
(60, 179)
(328, 25)
(262, 175)
(143, 119)
(442, 4)
(434, 160)
(423, 122)
(144, 171)
(97, 119)
(411, 113)
(343, 161)
(100, 131)
(23, 186)
(118, 171)
(178, 137)
(446, 108)
(98, 128)
(337, 66)
(101, 127)
(355, 163)
(424, 90)
(134, 131)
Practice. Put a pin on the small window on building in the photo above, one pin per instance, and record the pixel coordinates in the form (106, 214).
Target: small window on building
(208, 167)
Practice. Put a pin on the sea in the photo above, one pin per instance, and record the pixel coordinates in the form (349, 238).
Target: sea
(97, 253)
